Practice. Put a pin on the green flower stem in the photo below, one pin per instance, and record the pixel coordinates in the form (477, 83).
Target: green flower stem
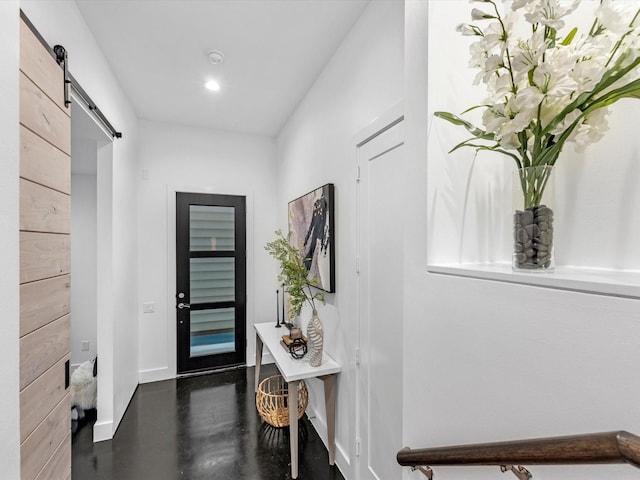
(619, 42)
(507, 55)
(533, 181)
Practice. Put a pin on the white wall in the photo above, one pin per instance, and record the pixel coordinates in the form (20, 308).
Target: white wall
(362, 81)
(84, 272)
(9, 244)
(178, 158)
(490, 361)
(61, 23)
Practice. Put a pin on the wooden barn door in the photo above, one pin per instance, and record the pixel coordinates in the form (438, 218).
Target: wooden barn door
(45, 321)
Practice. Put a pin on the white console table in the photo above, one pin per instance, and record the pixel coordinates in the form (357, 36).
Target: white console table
(293, 371)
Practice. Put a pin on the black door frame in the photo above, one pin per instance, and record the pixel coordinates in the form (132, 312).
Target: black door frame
(185, 363)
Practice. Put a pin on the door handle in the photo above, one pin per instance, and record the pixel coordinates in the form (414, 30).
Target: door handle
(183, 305)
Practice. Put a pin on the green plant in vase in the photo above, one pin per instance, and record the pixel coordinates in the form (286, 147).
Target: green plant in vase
(544, 91)
(295, 278)
(294, 275)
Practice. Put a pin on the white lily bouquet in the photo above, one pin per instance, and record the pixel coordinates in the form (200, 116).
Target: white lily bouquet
(553, 87)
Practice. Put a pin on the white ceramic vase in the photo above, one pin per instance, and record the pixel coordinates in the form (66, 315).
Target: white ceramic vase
(315, 338)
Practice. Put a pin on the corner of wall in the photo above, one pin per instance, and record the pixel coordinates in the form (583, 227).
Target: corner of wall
(9, 254)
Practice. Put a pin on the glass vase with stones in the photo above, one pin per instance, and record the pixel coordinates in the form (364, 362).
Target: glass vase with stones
(533, 193)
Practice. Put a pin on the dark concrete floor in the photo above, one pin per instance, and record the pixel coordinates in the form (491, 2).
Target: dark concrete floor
(201, 427)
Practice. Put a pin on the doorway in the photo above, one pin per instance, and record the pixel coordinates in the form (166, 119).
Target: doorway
(85, 134)
(91, 158)
(380, 303)
(210, 281)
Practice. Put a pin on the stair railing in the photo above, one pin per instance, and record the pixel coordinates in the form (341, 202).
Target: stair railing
(593, 448)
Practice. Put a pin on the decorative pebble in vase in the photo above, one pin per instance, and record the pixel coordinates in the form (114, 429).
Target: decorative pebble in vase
(533, 219)
(315, 338)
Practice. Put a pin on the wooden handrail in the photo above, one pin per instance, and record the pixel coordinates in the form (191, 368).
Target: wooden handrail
(594, 448)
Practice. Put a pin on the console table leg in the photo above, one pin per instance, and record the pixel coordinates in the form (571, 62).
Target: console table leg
(293, 426)
(258, 360)
(330, 408)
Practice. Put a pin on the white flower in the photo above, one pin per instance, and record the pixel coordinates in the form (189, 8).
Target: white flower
(491, 66)
(468, 30)
(614, 20)
(549, 12)
(493, 36)
(566, 122)
(477, 14)
(510, 141)
(478, 55)
(591, 130)
(500, 85)
(493, 118)
(528, 98)
(521, 121)
(517, 4)
(529, 53)
(552, 76)
(539, 86)
(550, 108)
(587, 73)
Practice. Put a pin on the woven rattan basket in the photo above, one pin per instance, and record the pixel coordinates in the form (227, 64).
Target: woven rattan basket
(272, 400)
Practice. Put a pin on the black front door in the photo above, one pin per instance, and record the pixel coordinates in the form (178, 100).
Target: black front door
(211, 281)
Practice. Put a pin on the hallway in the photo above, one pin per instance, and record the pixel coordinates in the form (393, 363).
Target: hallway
(201, 427)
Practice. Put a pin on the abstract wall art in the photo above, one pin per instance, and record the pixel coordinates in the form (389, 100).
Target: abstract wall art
(311, 229)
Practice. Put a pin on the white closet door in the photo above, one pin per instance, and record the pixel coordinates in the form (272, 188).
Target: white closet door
(380, 238)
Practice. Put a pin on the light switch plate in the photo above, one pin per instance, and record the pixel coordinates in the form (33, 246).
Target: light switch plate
(148, 307)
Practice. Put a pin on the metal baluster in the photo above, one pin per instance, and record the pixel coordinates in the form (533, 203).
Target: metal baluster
(426, 471)
(518, 470)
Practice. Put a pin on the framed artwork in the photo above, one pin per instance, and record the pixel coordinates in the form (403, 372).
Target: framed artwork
(311, 227)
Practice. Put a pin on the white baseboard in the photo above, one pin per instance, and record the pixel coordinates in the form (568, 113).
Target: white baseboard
(102, 431)
(342, 460)
(320, 425)
(267, 358)
(154, 375)
(159, 374)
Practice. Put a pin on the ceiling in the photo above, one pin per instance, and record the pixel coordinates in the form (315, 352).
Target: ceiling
(273, 51)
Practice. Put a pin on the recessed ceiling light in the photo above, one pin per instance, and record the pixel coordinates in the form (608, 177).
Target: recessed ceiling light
(215, 57)
(212, 85)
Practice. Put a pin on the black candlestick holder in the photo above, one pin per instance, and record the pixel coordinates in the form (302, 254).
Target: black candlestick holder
(278, 325)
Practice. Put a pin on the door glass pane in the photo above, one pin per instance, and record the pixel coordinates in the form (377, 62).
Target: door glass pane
(211, 228)
(212, 331)
(212, 280)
